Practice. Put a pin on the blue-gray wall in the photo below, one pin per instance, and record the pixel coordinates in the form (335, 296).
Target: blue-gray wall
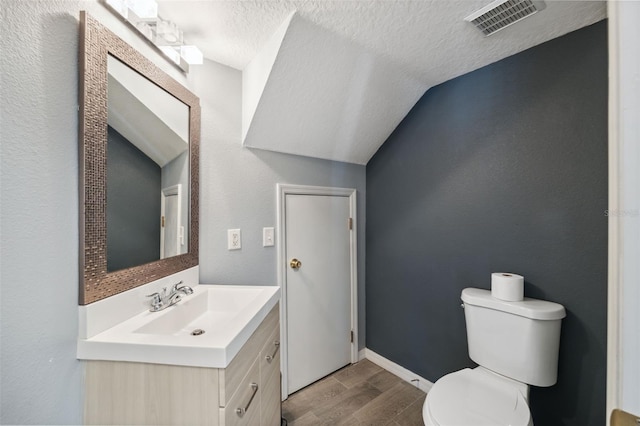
(502, 169)
(133, 205)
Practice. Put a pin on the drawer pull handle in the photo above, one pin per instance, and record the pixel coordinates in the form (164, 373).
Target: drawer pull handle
(269, 358)
(241, 411)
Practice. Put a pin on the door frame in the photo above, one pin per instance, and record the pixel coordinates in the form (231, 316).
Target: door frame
(165, 192)
(623, 319)
(282, 191)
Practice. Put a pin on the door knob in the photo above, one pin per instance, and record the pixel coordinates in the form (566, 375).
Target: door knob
(295, 263)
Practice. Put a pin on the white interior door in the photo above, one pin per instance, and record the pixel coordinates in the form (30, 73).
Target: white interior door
(170, 224)
(318, 292)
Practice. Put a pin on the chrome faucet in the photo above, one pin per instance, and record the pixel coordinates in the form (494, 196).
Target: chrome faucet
(163, 300)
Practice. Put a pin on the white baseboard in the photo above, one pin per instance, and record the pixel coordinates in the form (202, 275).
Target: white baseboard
(361, 354)
(406, 375)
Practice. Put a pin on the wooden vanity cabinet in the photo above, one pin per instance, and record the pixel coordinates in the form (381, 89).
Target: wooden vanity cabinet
(154, 394)
(249, 366)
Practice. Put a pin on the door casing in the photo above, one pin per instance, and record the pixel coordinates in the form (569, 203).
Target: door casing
(174, 190)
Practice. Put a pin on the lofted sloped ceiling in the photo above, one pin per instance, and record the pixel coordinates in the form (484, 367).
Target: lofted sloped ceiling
(333, 78)
(324, 97)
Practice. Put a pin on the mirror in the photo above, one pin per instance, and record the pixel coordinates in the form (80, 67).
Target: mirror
(147, 170)
(139, 143)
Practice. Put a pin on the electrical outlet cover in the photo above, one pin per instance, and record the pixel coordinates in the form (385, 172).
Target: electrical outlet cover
(234, 240)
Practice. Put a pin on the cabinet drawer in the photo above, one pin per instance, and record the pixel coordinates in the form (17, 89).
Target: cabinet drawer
(270, 381)
(246, 400)
(231, 376)
(270, 356)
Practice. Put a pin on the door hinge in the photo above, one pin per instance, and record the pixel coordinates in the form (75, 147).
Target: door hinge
(162, 222)
(350, 223)
(351, 336)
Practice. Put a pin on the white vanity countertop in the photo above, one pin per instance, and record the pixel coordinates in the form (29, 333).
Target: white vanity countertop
(228, 315)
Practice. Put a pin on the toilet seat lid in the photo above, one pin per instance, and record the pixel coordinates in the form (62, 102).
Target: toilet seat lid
(471, 397)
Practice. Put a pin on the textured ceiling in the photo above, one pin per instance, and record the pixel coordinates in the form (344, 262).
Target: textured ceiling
(428, 37)
(424, 42)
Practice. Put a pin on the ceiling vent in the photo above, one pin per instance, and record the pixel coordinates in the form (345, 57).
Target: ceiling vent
(502, 13)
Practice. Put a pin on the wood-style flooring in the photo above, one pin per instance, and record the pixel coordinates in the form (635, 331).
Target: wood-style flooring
(361, 394)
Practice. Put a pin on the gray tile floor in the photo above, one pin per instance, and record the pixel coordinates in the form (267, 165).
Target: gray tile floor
(361, 394)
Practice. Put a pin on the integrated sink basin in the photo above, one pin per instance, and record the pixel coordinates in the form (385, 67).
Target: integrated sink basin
(204, 329)
(211, 310)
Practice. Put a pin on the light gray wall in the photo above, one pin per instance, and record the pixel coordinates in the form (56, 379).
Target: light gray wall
(238, 188)
(39, 232)
(41, 380)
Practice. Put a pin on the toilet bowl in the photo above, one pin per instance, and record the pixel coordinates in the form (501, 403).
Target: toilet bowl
(515, 344)
(476, 397)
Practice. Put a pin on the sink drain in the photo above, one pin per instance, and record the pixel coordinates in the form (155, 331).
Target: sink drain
(197, 332)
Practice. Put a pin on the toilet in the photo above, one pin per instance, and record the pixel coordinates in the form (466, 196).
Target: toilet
(515, 345)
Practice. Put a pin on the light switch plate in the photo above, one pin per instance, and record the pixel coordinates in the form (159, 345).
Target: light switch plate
(234, 239)
(268, 237)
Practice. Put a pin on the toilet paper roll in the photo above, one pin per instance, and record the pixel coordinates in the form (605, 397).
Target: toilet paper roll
(507, 286)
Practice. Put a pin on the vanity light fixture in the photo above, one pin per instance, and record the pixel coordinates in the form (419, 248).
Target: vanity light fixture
(191, 54)
(138, 9)
(164, 34)
(171, 53)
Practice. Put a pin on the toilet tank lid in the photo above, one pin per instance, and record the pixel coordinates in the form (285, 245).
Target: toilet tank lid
(528, 308)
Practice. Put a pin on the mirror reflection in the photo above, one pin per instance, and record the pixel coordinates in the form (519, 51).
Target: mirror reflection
(147, 208)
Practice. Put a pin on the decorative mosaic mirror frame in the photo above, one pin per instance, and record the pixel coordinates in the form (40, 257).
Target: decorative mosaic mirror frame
(96, 283)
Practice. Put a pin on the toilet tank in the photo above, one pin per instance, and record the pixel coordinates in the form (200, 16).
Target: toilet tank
(519, 340)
